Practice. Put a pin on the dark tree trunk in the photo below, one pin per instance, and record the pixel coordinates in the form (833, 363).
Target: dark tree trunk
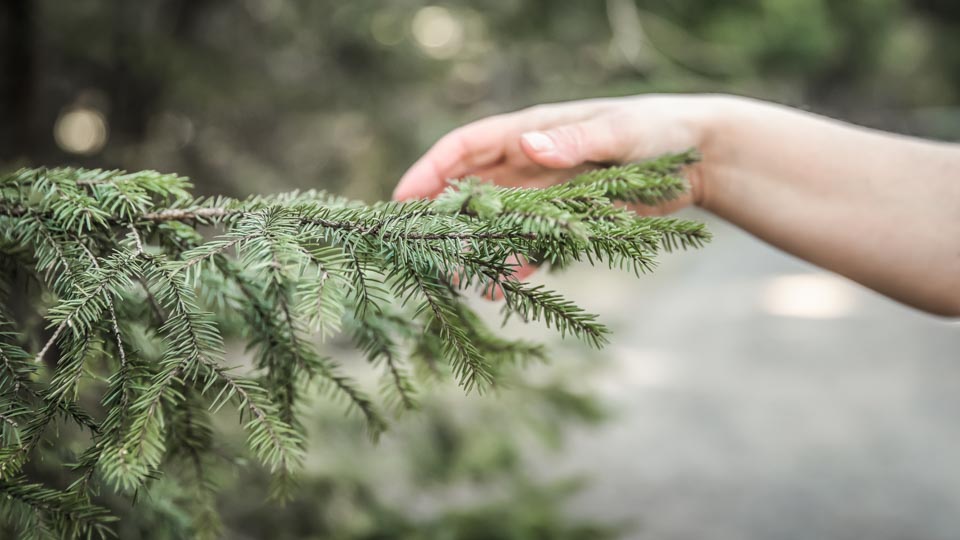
(16, 76)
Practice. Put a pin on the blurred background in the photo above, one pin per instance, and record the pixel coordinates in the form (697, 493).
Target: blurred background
(745, 394)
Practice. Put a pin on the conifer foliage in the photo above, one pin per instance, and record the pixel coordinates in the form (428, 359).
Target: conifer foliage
(131, 285)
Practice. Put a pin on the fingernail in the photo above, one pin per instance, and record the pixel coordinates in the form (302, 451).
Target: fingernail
(539, 141)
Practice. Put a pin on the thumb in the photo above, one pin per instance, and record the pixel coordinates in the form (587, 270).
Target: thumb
(574, 144)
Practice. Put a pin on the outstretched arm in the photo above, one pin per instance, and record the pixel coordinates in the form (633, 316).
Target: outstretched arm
(881, 209)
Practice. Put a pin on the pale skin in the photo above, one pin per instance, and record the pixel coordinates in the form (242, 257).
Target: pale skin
(878, 208)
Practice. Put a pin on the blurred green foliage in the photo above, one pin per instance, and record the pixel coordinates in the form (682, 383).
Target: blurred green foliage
(461, 468)
(264, 95)
(458, 472)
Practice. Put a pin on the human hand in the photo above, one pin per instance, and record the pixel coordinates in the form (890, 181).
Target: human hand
(548, 144)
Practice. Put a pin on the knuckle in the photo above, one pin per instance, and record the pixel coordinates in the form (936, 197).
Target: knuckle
(458, 141)
(571, 133)
(573, 136)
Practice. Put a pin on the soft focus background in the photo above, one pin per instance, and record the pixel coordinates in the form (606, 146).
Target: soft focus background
(745, 394)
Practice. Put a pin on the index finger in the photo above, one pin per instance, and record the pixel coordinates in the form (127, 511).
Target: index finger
(474, 146)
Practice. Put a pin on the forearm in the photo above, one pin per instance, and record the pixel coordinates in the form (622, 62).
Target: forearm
(881, 209)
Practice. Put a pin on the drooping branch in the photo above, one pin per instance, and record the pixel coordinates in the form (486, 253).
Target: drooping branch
(136, 294)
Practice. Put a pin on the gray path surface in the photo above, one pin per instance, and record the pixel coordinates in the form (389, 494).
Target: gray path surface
(750, 405)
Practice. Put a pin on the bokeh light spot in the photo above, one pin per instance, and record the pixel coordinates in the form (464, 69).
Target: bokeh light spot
(81, 130)
(438, 32)
(811, 296)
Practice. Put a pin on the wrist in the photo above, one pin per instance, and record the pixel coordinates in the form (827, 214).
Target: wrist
(713, 124)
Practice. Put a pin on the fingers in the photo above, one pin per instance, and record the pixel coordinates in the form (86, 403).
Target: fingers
(474, 146)
(484, 144)
(570, 145)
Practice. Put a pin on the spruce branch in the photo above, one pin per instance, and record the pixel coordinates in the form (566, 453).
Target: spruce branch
(139, 296)
(44, 513)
